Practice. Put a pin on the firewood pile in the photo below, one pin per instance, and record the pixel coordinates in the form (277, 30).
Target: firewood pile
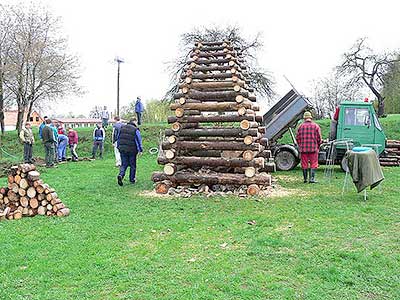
(392, 154)
(215, 138)
(27, 195)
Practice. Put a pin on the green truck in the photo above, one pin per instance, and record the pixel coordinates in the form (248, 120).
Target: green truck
(357, 125)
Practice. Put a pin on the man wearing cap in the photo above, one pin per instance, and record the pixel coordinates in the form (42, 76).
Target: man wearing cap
(309, 139)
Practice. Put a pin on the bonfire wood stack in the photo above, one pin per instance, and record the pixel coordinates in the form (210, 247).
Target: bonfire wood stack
(392, 157)
(27, 195)
(215, 136)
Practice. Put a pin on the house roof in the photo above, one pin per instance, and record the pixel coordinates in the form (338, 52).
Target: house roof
(11, 116)
(77, 120)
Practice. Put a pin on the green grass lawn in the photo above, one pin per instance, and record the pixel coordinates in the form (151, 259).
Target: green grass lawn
(126, 243)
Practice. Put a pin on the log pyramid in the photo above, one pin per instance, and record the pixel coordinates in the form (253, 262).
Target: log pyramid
(215, 136)
(27, 195)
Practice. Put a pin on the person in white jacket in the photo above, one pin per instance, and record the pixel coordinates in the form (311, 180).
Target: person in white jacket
(115, 134)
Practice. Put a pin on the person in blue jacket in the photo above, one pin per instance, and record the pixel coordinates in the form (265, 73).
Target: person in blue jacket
(139, 109)
(42, 126)
(54, 126)
(62, 147)
(99, 136)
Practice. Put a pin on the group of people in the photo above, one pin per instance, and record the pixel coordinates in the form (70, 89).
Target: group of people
(55, 140)
(126, 140)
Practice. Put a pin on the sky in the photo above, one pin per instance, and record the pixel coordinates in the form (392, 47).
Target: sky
(303, 40)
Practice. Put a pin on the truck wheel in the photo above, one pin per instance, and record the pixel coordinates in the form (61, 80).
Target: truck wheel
(285, 160)
(344, 164)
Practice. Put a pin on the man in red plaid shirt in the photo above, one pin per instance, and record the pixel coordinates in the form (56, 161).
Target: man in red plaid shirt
(309, 139)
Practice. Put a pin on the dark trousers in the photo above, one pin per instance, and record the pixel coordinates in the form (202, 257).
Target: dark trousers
(97, 145)
(139, 118)
(128, 160)
(49, 153)
(27, 152)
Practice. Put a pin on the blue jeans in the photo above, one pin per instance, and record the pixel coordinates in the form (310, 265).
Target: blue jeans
(128, 160)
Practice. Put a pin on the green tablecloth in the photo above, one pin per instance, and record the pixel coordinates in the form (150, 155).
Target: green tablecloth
(364, 169)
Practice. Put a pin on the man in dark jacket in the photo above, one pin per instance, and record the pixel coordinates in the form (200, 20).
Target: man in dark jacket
(48, 140)
(129, 143)
(309, 139)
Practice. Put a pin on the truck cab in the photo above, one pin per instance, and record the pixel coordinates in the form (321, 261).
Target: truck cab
(358, 122)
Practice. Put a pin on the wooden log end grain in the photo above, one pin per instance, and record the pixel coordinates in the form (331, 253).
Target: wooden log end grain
(248, 140)
(31, 192)
(172, 139)
(63, 212)
(250, 172)
(33, 175)
(253, 190)
(179, 112)
(162, 187)
(176, 126)
(170, 169)
(170, 154)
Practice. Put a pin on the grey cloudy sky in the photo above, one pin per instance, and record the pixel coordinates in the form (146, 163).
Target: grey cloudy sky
(302, 39)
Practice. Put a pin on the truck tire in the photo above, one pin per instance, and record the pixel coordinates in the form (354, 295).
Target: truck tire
(285, 160)
(344, 164)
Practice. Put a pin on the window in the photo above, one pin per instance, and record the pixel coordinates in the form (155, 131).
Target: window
(377, 123)
(356, 116)
(37, 119)
(31, 119)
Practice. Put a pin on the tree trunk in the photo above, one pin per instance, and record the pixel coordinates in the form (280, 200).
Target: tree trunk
(30, 108)
(223, 132)
(381, 106)
(2, 127)
(213, 85)
(212, 178)
(214, 106)
(210, 145)
(20, 118)
(228, 95)
(207, 119)
(213, 162)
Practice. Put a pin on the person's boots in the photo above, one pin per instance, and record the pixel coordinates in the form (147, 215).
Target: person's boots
(305, 172)
(312, 176)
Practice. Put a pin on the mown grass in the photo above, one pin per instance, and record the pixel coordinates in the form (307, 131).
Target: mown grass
(124, 243)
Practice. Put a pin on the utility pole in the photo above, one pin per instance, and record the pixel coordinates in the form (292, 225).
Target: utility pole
(119, 60)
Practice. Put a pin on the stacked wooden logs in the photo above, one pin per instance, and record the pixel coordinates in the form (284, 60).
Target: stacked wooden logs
(392, 154)
(27, 195)
(215, 136)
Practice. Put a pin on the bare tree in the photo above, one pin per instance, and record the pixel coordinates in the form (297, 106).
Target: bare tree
(5, 26)
(40, 69)
(329, 91)
(260, 79)
(363, 65)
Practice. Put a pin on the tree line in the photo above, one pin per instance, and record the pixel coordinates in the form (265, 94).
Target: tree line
(361, 70)
(36, 67)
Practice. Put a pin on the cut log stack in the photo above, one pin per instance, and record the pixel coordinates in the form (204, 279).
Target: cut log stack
(215, 137)
(392, 154)
(27, 195)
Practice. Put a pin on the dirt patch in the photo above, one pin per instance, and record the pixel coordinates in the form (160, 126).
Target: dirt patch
(274, 191)
(278, 191)
(153, 193)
